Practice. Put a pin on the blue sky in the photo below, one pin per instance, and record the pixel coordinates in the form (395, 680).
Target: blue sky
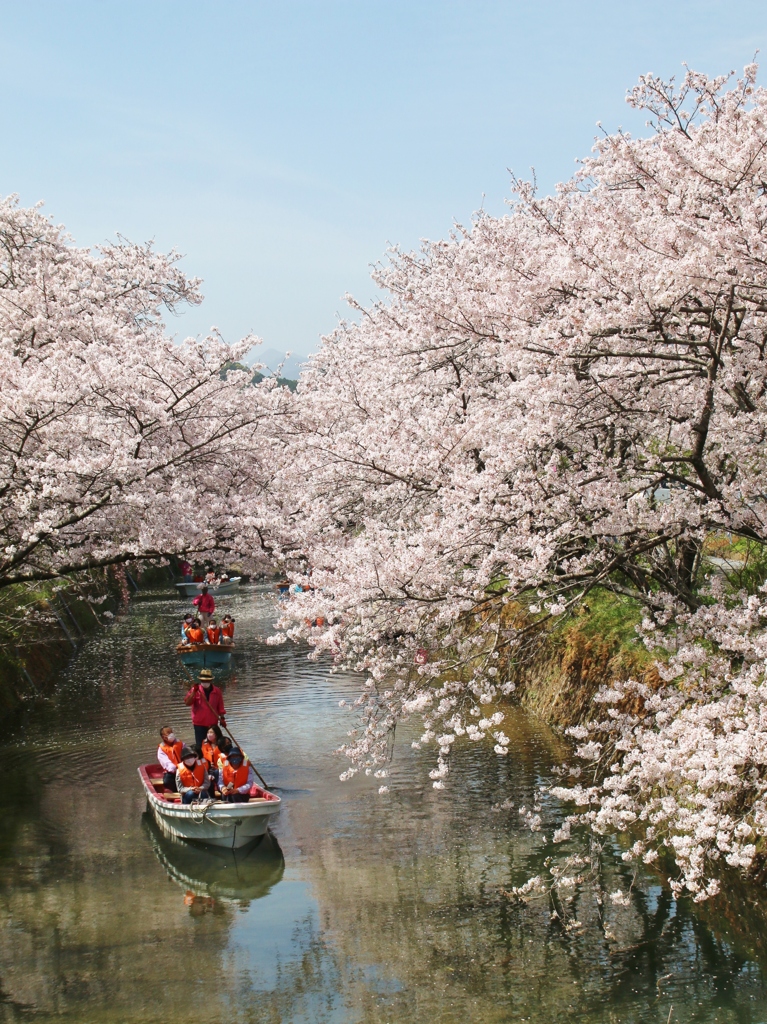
(282, 146)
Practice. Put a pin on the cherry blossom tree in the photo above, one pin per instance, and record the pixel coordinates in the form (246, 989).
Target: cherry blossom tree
(568, 397)
(115, 442)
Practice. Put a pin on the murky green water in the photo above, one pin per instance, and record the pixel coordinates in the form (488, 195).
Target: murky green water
(360, 908)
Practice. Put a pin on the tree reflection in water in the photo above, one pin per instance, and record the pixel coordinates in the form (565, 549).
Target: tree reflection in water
(392, 909)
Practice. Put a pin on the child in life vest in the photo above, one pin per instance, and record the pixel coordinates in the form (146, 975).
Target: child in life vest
(227, 630)
(192, 779)
(236, 778)
(214, 633)
(169, 756)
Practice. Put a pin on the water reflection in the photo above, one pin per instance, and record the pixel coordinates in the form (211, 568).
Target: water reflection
(217, 874)
(382, 910)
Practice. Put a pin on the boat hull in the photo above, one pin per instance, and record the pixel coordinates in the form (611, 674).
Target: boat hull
(205, 655)
(193, 589)
(219, 824)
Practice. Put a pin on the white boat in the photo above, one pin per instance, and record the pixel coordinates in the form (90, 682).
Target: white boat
(212, 821)
(192, 589)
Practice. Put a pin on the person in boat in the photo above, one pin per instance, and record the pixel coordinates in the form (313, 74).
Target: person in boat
(210, 577)
(227, 630)
(186, 570)
(205, 606)
(185, 625)
(192, 779)
(214, 633)
(207, 704)
(169, 756)
(236, 778)
(211, 750)
(195, 633)
(224, 747)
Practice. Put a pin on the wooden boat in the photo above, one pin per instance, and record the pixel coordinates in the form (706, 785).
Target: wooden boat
(205, 655)
(216, 589)
(211, 821)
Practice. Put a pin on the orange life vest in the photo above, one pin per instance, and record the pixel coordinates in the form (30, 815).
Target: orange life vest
(238, 776)
(227, 628)
(214, 634)
(211, 753)
(196, 636)
(174, 752)
(191, 777)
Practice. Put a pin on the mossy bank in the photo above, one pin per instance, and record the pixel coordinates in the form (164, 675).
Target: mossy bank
(43, 624)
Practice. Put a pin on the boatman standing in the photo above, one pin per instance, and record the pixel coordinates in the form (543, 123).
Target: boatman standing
(205, 605)
(207, 704)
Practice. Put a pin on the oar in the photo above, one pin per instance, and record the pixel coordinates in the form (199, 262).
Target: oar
(224, 727)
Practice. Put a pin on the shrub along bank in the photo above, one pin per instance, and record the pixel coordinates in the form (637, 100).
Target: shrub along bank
(578, 656)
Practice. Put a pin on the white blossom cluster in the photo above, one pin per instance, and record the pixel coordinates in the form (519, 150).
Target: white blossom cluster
(571, 396)
(686, 764)
(115, 441)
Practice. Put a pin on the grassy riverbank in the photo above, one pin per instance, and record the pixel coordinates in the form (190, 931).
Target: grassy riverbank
(579, 655)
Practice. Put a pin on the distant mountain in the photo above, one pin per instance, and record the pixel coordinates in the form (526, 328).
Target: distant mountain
(272, 357)
(257, 377)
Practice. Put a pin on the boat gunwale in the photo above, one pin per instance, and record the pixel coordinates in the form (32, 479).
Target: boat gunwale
(256, 806)
(203, 648)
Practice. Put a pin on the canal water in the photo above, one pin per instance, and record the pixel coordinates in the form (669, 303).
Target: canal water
(359, 908)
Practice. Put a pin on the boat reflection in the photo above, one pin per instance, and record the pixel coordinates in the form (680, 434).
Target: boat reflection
(210, 875)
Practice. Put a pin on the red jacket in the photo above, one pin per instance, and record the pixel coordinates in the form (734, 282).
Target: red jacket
(201, 713)
(205, 603)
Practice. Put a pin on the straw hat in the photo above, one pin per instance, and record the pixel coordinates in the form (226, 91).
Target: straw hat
(206, 675)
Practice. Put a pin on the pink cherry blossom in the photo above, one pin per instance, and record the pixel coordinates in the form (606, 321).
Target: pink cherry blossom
(571, 396)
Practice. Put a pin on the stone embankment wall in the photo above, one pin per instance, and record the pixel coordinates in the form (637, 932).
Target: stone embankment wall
(43, 625)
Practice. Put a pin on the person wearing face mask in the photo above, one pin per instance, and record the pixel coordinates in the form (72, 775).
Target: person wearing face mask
(186, 625)
(207, 704)
(236, 778)
(192, 779)
(205, 606)
(169, 756)
(194, 632)
(211, 750)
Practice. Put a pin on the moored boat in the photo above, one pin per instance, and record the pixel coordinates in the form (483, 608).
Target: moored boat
(213, 821)
(205, 655)
(192, 589)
